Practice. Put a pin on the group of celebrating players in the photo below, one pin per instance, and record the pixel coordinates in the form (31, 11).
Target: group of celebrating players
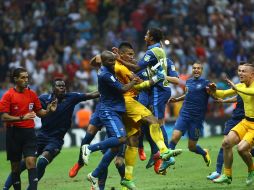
(132, 100)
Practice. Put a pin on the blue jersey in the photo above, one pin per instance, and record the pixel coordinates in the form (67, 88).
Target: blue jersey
(196, 99)
(56, 124)
(238, 112)
(110, 90)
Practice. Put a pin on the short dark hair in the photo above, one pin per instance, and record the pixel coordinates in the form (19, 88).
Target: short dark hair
(124, 45)
(16, 72)
(242, 62)
(156, 33)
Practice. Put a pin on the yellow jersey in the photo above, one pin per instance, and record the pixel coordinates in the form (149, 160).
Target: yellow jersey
(248, 100)
(123, 74)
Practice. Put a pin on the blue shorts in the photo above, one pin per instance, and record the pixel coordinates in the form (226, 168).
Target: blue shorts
(194, 128)
(53, 146)
(230, 124)
(158, 101)
(95, 120)
(113, 123)
(143, 98)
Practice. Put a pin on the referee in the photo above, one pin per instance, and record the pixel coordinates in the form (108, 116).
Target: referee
(18, 107)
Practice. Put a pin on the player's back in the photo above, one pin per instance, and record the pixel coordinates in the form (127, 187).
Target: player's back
(111, 97)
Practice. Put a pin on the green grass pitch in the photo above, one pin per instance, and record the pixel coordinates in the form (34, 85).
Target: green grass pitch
(189, 172)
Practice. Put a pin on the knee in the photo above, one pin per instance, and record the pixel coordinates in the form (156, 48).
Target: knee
(91, 129)
(122, 140)
(192, 147)
(119, 162)
(242, 149)
(30, 163)
(226, 144)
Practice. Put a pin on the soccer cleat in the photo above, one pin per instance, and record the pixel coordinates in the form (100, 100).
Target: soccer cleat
(123, 187)
(157, 165)
(223, 179)
(85, 153)
(129, 184)
(94, 182)
(207, 158)
(152, 160)
(250, 178)
(166, 164)
(74, 170)
(170, 153)
(142, 154)
(213, 175)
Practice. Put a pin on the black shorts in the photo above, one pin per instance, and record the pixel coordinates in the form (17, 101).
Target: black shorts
(20, 141)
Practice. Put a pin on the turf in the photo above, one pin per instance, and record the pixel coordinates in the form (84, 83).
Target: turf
(189, 173)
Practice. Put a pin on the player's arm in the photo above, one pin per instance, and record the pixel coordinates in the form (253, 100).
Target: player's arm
(172, 75)
(51, 107)
(173, 80)
(229, 100)
(244, 90)
(132, 66)
(92, 95)
(212, 90)
(178, 99)
(6, 117)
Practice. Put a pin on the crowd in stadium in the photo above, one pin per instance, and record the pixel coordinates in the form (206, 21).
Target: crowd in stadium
(55, 38)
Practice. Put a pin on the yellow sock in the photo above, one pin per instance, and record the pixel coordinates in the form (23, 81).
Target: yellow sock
(228, 171)
(130, 161)
(145, 84)
(157, 136)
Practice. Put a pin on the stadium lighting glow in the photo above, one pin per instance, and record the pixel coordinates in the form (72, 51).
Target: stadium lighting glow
(167, 42)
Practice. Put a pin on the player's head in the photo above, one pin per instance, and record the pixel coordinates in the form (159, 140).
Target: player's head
(246, 73)
(96, 61)
(126, 51)
(197, 69)
(108, 59)
(153, 35)
(58, 87)
(20, 77)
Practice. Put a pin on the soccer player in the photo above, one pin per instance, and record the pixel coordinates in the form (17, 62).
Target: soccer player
(54, 126)
(111, 109)
(242, 134)
(18, 107)
(192, 113)
(155, 59)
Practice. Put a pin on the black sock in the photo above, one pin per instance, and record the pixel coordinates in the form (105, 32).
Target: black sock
(33, 180)
(16, 181)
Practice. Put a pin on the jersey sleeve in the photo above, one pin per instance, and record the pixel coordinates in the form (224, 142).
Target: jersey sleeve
(111, 81)
(148, 59)
(43, 101)
(5, 103)
(171, 70)
(78, 97)
(37, 103)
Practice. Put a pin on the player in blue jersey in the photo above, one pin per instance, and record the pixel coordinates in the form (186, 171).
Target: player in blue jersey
(192, 113)
(54, 126)
(112, 107)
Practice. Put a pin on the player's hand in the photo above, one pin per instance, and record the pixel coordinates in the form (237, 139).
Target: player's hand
(29, 116)
(219, 100)
(115, 50)
(230, 83)
(211, 87)
(172, 100)
(136, 80)
(52, 106)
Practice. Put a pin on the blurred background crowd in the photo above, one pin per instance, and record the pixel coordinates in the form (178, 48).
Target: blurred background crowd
(57, 38)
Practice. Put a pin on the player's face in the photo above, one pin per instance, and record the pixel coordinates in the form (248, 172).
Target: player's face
(147, 37)
(59, 89)
(197, 70)
(127, 55)
(22, 80)
(245, 73)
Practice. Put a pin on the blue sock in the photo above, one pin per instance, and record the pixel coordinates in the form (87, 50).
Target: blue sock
(141, 137)
(153, 146)
(220, 161)
(172, 145)
(121, 170)
(199, 150)
(41, 166)
(121, 150)
(107, 143)
(86, 140)
(8, 182)
(104, 163)
(252, 152)
(165, 135)
(102, 179)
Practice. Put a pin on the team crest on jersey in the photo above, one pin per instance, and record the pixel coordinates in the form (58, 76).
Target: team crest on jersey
(147, 58)
(113, 78)
(31, 106)
(199, 86)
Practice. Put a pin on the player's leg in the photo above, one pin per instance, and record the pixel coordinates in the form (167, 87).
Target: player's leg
(229, 142)
(244, 151)
(141, 151)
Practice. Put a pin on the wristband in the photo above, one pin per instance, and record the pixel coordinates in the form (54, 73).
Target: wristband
(21, 117)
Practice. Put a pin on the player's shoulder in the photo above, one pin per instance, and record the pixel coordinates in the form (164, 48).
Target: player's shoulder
(45, 96)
